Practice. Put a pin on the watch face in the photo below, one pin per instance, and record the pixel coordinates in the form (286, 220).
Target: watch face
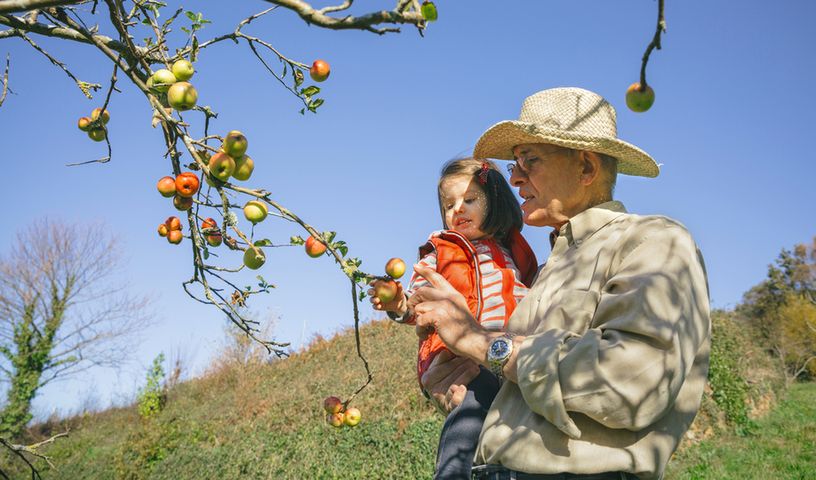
(499, 348)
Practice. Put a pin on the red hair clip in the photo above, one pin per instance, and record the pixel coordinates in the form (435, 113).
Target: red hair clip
(483, 173)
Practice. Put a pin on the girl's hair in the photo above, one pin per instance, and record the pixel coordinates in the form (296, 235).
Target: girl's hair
(503, 211)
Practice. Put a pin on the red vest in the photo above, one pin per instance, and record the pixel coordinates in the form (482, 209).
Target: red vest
(457, 261)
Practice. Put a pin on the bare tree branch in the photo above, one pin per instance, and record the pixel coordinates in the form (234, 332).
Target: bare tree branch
(11, 6)
(368, 21)
(655, 43)
(5, 80)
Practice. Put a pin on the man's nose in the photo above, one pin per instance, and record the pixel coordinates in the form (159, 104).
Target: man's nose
(517, 178)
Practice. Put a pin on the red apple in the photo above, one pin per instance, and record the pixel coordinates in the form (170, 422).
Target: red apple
(187, 184)
(173, 223)
(243, 168)
(183, 70)
(221, 166)
(314, 247)
(182, 96)
(175, 237)
(335, 419)
(320, 71)
(166, 186)
(254, 258)
(352, 417)
(97, 113)
(235, 144)
(255, 211)
(163, 79)
(395, 268)
(637, 100)
(213, 239)
(97, 134)
(84, 124)
(386, 290)
(332, 404)
(163, 230)
(182, 203)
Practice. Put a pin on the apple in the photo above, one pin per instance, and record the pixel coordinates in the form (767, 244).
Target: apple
(320, 71)
(166, 186)
(332, 404)
(637, 100)
(235, 144)
(386, 290)
(352, 417)
(213, 239)
(163, 230)
(97, 113)
(255, 211)
(243, 168)
(175, 237)
(335, 419)
(209, 224)
(183, 70)
(84, 124)
(182, 203)
(254, 258)
(314, 247)
(395, 268)
(221, 166)
(187, 184)
(173, 223)
(182, 96)
(97, 134)
(428, 10)
(163, 79)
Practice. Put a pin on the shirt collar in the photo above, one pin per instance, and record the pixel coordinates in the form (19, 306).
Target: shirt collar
(582, 226)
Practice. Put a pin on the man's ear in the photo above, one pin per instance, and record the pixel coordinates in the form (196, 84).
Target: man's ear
(590, 167)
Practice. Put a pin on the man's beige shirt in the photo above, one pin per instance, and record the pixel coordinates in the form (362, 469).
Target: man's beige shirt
(612, 371)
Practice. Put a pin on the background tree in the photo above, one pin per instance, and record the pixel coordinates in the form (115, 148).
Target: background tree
(61, 311)
(782, 309)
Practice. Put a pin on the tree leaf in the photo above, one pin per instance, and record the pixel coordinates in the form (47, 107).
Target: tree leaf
(263, 243)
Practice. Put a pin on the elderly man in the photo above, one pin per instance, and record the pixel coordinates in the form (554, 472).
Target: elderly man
(604, 362)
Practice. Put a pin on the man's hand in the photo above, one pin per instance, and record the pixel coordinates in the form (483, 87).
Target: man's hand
(446, 378)
(442, 308)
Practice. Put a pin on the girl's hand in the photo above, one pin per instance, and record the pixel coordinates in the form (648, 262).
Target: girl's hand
(398, 305)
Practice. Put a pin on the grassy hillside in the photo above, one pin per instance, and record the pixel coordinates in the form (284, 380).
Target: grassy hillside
(248, 418)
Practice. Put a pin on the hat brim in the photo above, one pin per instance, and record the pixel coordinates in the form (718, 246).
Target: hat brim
(498, 142)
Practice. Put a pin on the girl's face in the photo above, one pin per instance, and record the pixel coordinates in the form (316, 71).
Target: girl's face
(465, 206)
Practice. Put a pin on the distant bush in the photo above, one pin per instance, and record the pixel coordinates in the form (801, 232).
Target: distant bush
(152, 396)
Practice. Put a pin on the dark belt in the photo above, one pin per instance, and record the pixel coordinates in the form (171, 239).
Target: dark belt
(497, 472)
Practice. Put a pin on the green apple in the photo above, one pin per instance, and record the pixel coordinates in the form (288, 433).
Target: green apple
(254, 258)
(98, 114)
(183, 70)
(637, 100)
(352, 417)
(386, 291)
(97, 134)
(163, 79)
(244, 166)
(429, 12)
(255, 211)
(182, 203)
(221, 166)
(235, 144)
(84, 124)
(182, 96)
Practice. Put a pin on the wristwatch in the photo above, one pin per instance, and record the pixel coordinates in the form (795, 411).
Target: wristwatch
(498, 352)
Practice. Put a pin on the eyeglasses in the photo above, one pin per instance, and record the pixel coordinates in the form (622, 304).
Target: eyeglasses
(525, 164)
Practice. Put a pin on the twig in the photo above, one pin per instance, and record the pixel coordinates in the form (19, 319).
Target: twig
(5, 80)
(85, 87)
(655, 43)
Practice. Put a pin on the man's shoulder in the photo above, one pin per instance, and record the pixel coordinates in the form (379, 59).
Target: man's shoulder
(635, 229)
(631, 221)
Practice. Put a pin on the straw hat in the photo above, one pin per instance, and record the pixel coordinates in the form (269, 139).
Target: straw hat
(569, 117)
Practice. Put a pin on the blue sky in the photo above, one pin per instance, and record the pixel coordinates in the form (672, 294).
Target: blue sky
(734, 107)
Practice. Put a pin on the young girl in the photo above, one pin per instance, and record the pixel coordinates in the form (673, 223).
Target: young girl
(483, 255)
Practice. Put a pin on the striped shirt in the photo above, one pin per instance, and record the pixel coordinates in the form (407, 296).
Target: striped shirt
(501, 282)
